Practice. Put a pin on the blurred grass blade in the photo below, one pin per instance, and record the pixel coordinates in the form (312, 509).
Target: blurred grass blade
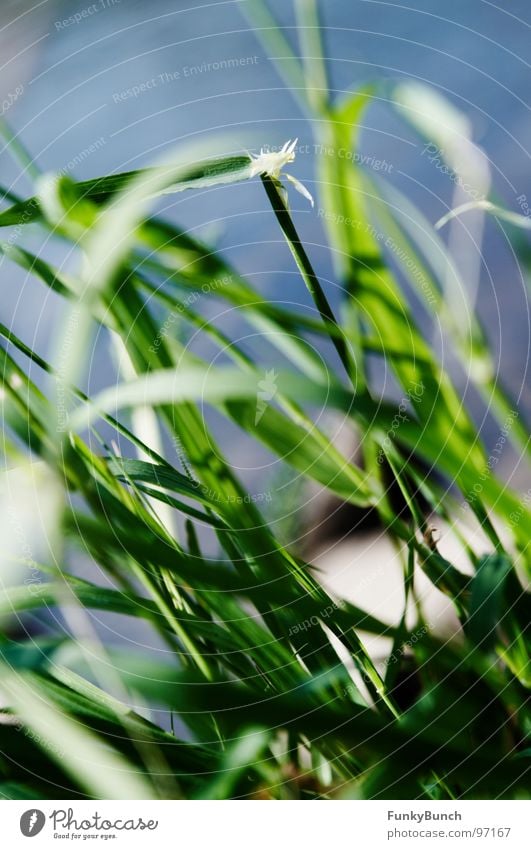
(514, 218)
(101, 771)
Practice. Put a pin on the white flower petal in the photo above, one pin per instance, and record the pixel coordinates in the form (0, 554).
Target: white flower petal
(300, 188)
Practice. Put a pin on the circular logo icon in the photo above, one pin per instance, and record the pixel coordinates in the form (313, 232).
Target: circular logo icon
(32, 822)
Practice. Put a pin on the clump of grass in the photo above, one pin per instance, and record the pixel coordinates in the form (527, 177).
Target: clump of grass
(268, 673)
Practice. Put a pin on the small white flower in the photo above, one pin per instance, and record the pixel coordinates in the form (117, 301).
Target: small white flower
(272, 163)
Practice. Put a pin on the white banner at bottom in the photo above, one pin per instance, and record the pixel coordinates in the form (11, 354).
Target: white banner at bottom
(262, 825)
